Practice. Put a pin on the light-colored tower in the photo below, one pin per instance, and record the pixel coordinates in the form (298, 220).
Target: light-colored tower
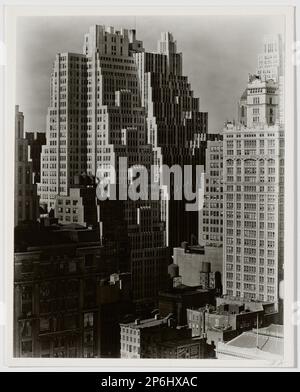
(259, 103)
(64, 155)
(270, 66)
(26, 199)
(254, 184)
(253, 211)
(270, 61)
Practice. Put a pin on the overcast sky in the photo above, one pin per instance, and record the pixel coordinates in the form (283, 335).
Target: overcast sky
(218, 53)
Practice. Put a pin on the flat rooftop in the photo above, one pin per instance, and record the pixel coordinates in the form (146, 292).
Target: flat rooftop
(146, 323)
(261, 343)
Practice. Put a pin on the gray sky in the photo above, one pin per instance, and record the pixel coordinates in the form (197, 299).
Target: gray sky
(218, 53)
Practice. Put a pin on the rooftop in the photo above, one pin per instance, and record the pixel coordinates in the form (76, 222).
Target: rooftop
(32, 235)
(275, 330)
(256, 344)
(267, 344)
(146, 323)
(182, 290)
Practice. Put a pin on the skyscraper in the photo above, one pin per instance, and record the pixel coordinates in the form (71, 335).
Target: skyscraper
(254, 184)
(270, 61)
(176, 128)
(253, 201)
(117, 101)
(116, 128)
(64, 155)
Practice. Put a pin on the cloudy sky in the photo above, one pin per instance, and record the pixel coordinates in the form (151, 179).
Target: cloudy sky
(218, 53)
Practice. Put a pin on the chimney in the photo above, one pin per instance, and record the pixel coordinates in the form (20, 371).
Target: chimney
(137, 321)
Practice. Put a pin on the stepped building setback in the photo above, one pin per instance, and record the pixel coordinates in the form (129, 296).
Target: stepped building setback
(116, 100)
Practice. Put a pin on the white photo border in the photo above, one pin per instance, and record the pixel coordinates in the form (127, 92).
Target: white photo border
(11, 15)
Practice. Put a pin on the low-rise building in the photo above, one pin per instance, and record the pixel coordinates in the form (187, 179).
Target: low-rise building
(190, 348)
(158, 338)
(178, 299)
(223, 323)
(65, 305)
(271, 314)
(80, 205)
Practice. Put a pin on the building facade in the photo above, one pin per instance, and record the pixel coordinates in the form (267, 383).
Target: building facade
(259, 103)
(80, 206)
(35, 142)
(64, 155)
(200, 266)
(211, 215)
(225, 321)
(176, 129)
(271, 66)
(157, 338)
(270, 61)
(253, 221)
(117, 101)
(178, 299)
(64, 305)
(26, 198)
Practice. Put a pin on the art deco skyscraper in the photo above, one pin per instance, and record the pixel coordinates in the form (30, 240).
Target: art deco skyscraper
(64, 155)
(116, 128)
(117, 101)
(175, 126)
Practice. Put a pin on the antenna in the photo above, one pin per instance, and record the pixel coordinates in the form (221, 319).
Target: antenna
(257, 332)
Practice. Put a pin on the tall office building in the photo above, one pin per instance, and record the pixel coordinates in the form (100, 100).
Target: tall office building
(26, 199)
(64, 155)
(270, 61)
(117, 101)
(95, 117)
(253, 201)
(176, 128)
(116, 128)
(254, 184)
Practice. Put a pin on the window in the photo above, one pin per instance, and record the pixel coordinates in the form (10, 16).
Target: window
(88, 320)
(44, 324)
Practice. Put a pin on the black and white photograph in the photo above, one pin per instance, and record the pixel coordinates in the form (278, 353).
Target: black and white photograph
(151, 215)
